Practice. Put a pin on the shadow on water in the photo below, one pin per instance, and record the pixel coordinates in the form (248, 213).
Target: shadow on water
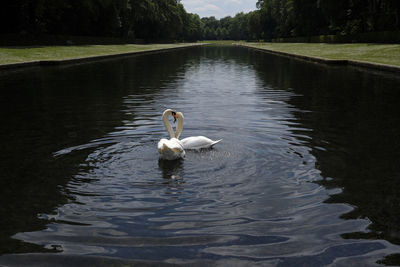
(80, 142)
(45, 110)
(354, 137)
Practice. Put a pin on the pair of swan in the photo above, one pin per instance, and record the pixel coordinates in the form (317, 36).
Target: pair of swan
(175, 148)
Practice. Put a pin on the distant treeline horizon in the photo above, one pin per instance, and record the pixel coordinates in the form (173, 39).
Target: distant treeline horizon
(154, 20)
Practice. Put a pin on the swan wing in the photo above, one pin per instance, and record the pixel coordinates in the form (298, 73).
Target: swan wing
(198, 142)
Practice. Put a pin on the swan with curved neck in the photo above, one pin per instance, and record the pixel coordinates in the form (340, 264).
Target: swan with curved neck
(170, 149)
(193, 142)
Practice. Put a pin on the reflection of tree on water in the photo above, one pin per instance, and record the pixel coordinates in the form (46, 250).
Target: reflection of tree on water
(68, 106)
(172, 171)
(355, 136)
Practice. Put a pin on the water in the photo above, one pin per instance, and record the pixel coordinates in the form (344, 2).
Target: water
(307, 173)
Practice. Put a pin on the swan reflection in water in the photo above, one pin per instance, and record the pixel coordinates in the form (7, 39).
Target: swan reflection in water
(172, 173)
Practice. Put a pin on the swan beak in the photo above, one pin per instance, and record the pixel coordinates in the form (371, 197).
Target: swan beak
(174, 115)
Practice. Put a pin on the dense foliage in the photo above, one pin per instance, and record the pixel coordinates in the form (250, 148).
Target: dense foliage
(167, 19)
(293, 18)
(142, 19)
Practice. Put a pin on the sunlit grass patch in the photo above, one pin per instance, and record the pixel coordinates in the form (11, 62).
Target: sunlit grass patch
(376, 53)
(220, 42)
(28, 54)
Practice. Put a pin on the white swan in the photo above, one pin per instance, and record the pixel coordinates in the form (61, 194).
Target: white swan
(193, 142)
(170, 149)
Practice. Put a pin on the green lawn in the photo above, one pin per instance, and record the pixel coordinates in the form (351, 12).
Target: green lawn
(376, 53)
(27, 54)
(220, 42)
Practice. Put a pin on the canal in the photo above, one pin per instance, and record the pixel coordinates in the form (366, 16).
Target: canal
(307, 174)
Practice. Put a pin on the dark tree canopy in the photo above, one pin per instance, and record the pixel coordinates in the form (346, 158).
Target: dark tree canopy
(143, 19)
(302, 18)
(168, 20)
(293, 18)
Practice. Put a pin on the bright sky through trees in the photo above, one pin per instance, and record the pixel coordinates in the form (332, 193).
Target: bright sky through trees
(218, 8)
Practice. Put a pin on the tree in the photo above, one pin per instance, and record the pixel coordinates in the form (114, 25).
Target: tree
(152, 20)
(255, 25)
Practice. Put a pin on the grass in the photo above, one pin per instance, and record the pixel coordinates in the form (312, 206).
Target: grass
(375, 53)
(220, 42)
(9, 55)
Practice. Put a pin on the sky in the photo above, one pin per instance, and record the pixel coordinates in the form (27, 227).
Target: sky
(218, 8)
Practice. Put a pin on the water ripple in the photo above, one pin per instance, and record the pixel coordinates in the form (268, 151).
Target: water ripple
(252, 199)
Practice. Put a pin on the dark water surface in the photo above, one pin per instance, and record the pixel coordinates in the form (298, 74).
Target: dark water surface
(307, 174)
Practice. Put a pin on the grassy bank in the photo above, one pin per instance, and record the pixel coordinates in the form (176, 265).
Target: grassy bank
(374, 53)
(220, 42)
(9, 55)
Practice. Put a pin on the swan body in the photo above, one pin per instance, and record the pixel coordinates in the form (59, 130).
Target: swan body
(170, 149)
(193, 142)
(198, 142)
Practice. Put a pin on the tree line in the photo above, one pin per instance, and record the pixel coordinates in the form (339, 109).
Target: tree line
(299, 18)
(134, 19)
(168, 20)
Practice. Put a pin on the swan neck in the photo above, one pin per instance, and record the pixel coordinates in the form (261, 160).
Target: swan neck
(179, 127)
(167, 124)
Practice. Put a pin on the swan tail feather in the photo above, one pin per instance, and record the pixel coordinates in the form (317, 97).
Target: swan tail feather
(216, 142)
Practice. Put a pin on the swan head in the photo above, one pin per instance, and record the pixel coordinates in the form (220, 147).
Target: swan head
(170, 112)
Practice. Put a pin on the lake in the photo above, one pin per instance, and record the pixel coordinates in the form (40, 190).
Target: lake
(307, 174)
